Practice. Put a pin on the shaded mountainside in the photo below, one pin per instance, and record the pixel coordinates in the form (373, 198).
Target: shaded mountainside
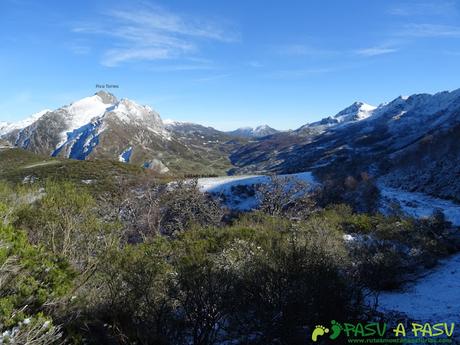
(411, 141)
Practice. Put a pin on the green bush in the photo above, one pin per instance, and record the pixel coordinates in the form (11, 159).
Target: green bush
(260, 276)
(30, 280)
(66, 222)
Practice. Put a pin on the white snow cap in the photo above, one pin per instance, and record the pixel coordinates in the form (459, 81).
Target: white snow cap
(86, 109)
(6, 127)
(356, 112)
(129, 111)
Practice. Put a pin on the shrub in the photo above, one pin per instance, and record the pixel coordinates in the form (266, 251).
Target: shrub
(259, 281)
(283, 196)
(133, 296)
(183, 205)
(31, 280)
(66, 222)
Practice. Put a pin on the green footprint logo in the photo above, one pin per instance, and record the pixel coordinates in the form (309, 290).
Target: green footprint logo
(318, 331)
(336, 329)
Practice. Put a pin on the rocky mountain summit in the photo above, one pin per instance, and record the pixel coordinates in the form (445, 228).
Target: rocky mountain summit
(103, 127)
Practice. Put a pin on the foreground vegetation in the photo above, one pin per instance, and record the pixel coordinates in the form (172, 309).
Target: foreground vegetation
(165, 264)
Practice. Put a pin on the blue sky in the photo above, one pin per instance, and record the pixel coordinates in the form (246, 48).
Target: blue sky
(227, 63)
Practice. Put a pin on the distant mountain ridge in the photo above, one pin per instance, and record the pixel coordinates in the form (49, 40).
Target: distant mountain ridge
(410, 142)
(253, 132)
(103, 127)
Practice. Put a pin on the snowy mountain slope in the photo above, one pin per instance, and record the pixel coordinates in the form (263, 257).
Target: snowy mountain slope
(356, 112)
(407, 135)
(250, 132)
(410, 141)
(266, 154)
(6, 127)
(101, 126)
(418, 205)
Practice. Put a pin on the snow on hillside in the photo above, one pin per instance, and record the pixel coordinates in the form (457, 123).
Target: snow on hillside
(6, 127)
(83, 111)
(418, 205)
(435, 297)
(356, 112)
(250, 132)
(125, 156)
(225, 186)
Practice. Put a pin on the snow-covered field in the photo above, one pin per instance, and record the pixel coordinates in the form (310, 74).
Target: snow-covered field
(224, 186)
(435, 297)
(419, 205)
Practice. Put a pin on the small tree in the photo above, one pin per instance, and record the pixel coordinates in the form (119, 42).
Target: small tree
(140, 212)
(182, 205)
(285, 196)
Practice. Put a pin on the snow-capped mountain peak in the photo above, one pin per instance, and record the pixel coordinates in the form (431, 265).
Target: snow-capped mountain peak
(85, 110)
(129, 111)
(356, 112)
(6, 127)
(250, 132)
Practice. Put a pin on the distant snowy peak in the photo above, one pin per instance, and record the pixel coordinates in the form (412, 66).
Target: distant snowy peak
(250, 132)
(173, 123)
(422, 103)
(85, 110)
(104, 105)
(263, 130)
(131, 112)
(6, 127)
(356, 112)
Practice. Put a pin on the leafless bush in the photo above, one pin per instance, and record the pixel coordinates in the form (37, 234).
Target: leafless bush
(140, 212)
(285, 196)
(32, 331)
(183, 205)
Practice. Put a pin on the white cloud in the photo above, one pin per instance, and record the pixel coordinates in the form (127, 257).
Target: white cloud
(114, 57)
(429, 30)
(424, 8)
(375, 51)
(152, 33)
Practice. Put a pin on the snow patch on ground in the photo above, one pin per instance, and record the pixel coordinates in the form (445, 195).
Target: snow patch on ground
(418, 205)
(225, 185)
(435, 297)
(125, 156)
